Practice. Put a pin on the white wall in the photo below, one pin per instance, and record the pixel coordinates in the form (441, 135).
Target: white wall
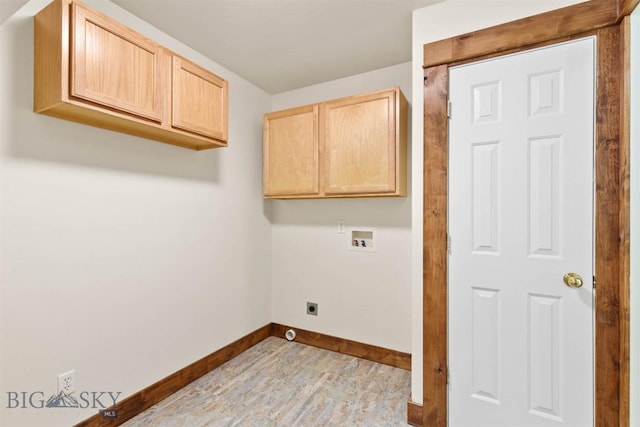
(127, 259)
(122, 258)
(364, 297)
(440, 21)
(635, 215)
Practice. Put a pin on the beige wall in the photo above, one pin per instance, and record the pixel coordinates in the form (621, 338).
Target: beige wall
(362, 296)
(122, 258)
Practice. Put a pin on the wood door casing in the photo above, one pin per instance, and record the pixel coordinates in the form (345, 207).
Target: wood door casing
(568, 21)
(434, 277)
(612, 198)
(624, 219)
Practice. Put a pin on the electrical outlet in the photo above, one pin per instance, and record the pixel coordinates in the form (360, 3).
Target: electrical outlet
(66, 382)
(312, 308)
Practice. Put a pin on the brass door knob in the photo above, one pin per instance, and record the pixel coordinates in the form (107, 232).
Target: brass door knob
(572, 280)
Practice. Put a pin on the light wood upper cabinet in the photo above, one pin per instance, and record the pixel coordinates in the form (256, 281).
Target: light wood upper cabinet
(358, 150)
(114, 66)
(199, 100)
(94, 70)
(290, 152)
(359, 144)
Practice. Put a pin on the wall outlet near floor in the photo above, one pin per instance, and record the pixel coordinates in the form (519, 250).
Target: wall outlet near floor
(66, 382)
(312, 308)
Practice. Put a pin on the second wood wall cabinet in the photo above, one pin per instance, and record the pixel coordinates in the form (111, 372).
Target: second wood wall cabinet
(94, 70)
(348, 147)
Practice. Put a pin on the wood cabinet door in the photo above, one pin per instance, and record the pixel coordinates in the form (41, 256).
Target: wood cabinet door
(200, 100)
(358, 144)
(113, 66)
(290, 152)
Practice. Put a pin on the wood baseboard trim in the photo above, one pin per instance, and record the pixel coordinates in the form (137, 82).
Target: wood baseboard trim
(143, 400)
(370, 352)
(149, 396)
(414, 413)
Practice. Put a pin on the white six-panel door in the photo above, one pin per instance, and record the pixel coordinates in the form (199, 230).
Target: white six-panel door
(520, 217)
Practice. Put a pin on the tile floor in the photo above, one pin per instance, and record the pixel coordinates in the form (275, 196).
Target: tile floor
(282, 383)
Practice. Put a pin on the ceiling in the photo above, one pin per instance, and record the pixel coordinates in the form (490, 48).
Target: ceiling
(280, 45)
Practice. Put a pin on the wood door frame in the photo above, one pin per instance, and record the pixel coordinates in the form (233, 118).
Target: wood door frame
(608, 20)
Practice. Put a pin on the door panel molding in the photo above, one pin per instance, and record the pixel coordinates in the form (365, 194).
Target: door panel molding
(521, 150)
(611, 214)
